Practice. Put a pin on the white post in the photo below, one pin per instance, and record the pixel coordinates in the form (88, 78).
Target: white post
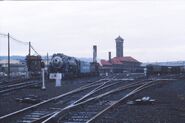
(106, 74)
(43, 80)
(145, 71)
(58, 79)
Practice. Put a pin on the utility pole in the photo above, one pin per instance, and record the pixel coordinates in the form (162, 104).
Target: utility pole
(8, 56)
(29, 48)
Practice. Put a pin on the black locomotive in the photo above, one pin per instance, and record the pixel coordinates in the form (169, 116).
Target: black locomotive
(71, 67)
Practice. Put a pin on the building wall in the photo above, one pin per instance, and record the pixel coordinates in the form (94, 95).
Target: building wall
(121, 68)
(119, 47)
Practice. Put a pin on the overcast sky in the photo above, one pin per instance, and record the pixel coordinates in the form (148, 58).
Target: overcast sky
(153, 31)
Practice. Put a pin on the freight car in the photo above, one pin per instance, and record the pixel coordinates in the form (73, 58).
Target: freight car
(157, 69)
(71, 67)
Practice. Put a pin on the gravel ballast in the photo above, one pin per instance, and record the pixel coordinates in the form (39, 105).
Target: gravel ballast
(169, 106)
(8, 103)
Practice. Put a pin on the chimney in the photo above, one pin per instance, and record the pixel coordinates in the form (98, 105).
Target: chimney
(94, 53)
(109, 56)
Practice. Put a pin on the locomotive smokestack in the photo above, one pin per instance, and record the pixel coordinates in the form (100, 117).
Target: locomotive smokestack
(94, 53)
(109, 56)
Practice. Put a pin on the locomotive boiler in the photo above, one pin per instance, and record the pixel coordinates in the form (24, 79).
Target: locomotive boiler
(71, 67)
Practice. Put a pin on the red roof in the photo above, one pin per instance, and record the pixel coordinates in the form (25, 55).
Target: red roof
(119, 60)
(104, 62)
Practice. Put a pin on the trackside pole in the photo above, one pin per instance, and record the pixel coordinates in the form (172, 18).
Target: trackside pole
(43, 77)
(145, 72)
(43, 80)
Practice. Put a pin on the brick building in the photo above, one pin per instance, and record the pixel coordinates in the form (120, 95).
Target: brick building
(120, 63)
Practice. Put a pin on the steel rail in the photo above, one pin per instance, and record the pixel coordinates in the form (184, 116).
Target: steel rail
(96, 83)
(72, 106)
(138, 89)
(18, 86)
(13, 85)
(100, 87)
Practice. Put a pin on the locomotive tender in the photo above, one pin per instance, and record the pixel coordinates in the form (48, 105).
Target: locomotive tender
(70, 67)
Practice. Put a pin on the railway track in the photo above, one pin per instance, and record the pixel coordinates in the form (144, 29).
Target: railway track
(5, 81)
(41, 110)
(83, 111)
(19, 85)
(97, 117)
(85, 104)
(54, 99)
(89, 110)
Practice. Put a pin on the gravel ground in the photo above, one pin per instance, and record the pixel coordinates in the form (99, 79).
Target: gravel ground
(8, 103)
(168, 108)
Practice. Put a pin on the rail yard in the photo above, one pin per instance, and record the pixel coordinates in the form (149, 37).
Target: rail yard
(92, 61)
(65, 89)
(113, 98)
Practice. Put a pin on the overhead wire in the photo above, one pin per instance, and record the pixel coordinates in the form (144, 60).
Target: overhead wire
(4, 35)
(34, 50)
(19, 41)
(22, 42)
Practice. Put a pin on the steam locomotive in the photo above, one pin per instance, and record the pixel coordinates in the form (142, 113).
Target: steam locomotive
(71, 67)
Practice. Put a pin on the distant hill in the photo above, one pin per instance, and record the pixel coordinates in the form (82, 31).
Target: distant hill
(44, 57)
(12, 57)
(169, 63)
(88, 59)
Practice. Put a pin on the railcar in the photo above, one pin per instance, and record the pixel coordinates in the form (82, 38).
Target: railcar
(157, 69)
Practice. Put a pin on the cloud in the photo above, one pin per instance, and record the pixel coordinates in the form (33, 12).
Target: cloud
(152, 30)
